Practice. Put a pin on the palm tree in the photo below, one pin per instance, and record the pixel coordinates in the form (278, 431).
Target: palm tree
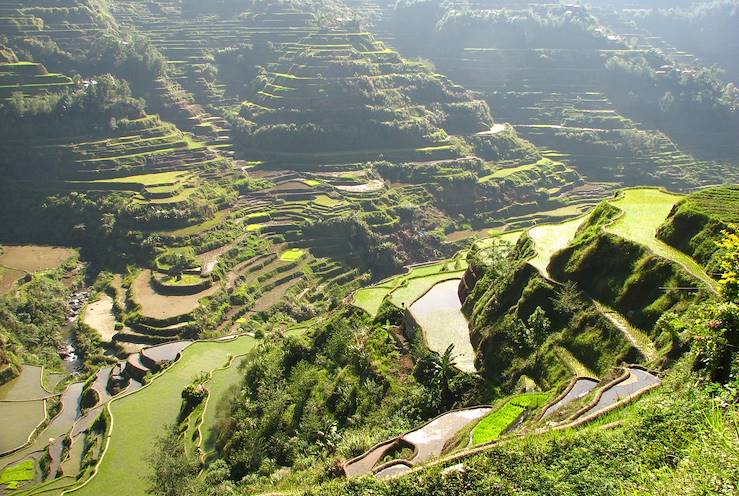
(444, 370)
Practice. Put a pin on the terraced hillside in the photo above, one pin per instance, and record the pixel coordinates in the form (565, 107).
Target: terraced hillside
(565, 86)
(256, 247)
(336, 98)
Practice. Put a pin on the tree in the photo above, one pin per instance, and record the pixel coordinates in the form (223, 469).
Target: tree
(444, 369)
(569, 299)
(179, 263)
(537, 327)
(172, 470)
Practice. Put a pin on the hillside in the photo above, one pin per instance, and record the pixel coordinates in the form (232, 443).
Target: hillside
(359, 247)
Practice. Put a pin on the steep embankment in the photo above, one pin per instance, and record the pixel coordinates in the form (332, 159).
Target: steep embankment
(610, 264)
(695, 223)
(522, 323)
(583, 295)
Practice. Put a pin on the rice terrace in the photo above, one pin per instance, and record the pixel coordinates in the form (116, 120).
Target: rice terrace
(343, 247)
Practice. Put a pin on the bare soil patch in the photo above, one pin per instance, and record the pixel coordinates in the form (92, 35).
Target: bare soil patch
(32, 258)
(159, 306)
(99, 316)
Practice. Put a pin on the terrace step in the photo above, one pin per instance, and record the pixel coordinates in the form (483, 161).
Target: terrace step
(135, 367)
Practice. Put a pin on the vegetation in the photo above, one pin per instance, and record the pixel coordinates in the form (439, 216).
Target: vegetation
(251, 240)
(15, 476)
(697, 451)
(491, 427)
(695, 224)
(32, 320)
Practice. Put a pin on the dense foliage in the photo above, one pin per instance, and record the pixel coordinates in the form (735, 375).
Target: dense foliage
(32, 320)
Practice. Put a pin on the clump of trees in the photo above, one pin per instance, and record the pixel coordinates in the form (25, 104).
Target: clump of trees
(651, 85)
(92, 107)
(31, 320)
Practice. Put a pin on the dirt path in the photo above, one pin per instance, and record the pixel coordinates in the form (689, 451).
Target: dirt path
(160, 306)
(496, 129)
(8, 278)
(209, 259)
(32, 258)
(636, 337)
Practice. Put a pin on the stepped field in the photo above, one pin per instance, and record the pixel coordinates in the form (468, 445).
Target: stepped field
(311, 202)
(131, 437)
(644, 211)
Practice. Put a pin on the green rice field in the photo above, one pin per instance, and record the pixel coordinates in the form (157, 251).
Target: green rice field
(494, 425)
(551, 238)
(16, 475)
(292, 255)
(184, 280)
(197, 228)
(406, 288)
(140, 417)
(149, 179)
(644, 210)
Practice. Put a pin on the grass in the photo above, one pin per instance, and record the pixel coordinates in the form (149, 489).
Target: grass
(253, 227)
(497, 236)
(149, 179)
(571, 362)
(311, 182)
(505, 172)
(18, 64)
(178, 198)
(551, 238)
(721, 203)
(16, 475)
(203, 226)
(292, 255)
(184, 280)
(327, 201)
(636, 336)
(139, 418)
(218, 386)
(644, 210)
(33, 258)
(370, 299)
(256, 215)
(495, 424)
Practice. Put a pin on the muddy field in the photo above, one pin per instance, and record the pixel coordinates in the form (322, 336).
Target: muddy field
(17, 261)
(160, 306)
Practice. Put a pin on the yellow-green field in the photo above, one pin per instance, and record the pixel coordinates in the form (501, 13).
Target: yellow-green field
(644, 210)
(139, 418)
(551, 238)
(406, 288)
